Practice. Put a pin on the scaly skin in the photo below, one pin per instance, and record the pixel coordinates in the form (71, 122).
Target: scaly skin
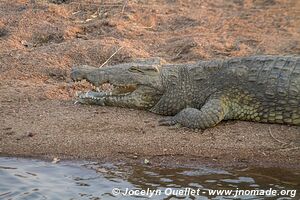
(200, 95)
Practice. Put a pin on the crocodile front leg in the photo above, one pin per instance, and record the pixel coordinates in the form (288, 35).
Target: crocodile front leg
(213, 111)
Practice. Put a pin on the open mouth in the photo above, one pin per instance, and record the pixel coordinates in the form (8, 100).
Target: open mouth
(104, 90)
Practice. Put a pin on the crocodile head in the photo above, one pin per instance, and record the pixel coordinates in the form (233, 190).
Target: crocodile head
(133, 85)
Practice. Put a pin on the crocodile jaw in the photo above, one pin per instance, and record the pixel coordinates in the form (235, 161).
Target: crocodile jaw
(97, 98)
(130, 96)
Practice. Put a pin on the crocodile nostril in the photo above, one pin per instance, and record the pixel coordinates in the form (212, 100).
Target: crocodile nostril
(75, 76)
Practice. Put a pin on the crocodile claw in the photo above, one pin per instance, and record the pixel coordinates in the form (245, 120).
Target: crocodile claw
(167, 121)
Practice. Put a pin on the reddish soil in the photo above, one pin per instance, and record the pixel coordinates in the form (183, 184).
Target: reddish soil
(40, 41)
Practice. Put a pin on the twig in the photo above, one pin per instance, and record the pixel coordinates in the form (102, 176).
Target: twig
(111, 57)
(286, 148)
(97, 4)
(181, 50)
(124, 5)
(289, 149)
(270, 132)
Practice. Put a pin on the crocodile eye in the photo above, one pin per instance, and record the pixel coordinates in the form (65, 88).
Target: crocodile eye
(144, 69)
(135, 69)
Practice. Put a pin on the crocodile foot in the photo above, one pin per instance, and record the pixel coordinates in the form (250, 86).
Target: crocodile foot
(167, 121)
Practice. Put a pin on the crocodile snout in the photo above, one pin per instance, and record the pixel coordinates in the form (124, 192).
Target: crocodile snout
(79, 73)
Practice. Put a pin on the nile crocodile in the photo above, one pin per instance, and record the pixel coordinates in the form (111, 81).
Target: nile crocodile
(201, 94)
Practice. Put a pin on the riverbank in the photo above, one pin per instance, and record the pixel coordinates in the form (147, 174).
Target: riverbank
(59, 129)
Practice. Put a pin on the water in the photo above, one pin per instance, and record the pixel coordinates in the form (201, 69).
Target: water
(34, 179)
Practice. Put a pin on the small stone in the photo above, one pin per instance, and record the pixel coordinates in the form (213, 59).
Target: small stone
(26, 44)
(147, 162)
(101, 170)
(55, 160)
(29, 134)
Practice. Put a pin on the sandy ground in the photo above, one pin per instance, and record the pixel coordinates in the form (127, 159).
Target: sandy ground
(41, 41)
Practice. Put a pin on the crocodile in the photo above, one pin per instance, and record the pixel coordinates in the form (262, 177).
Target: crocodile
(199, 95)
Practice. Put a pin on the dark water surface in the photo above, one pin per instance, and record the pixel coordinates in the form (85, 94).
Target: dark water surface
(34, 179)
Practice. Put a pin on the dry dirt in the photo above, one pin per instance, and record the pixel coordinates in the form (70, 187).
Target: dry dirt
(41, 40)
